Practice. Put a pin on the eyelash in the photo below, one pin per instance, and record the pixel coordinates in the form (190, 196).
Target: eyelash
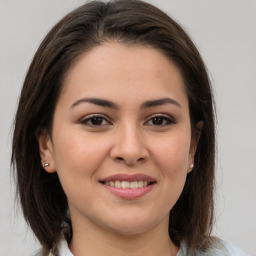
(166, 118)
(101, 118)
(89, 118)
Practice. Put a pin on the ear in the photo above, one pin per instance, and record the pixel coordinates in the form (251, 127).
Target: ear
(193, 146)
(46, 151)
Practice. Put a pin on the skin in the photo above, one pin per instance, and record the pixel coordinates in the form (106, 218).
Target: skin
(126, 140)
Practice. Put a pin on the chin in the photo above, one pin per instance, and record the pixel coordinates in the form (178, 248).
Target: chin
(130, 230)
(134, 225)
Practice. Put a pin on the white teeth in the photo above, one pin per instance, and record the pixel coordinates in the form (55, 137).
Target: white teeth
(127, 184)
(140, 184)
(117, 184)
(134, 184)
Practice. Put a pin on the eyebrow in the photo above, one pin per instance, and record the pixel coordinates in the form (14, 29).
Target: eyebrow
(110, 104)
(96, 101)
(159, 102)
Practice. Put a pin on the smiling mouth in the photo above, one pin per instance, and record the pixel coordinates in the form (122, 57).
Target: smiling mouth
(127, 184)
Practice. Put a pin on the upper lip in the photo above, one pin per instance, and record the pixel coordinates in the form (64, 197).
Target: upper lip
(129, 177)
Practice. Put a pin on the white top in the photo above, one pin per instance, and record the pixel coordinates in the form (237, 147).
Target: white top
(230, 250)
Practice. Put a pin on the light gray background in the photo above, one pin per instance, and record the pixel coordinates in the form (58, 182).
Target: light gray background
(225, 33)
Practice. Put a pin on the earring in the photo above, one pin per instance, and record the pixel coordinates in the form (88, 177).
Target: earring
(191, 166)
(46, 164)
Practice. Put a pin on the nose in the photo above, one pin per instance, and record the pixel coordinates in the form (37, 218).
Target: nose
(128, 146)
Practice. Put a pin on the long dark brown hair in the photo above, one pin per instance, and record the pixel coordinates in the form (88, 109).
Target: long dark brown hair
(130, 22)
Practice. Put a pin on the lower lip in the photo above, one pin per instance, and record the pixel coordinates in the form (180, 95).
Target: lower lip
(129, 193)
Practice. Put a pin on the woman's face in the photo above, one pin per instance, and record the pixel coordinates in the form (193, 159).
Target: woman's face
(121, 139)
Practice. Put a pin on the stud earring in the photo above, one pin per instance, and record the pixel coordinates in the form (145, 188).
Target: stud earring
(46, 164)
(191, 166)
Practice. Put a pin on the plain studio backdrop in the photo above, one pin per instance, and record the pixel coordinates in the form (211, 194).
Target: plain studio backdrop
(225, 33)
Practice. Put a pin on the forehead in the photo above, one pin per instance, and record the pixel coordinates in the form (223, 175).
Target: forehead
(118, 71)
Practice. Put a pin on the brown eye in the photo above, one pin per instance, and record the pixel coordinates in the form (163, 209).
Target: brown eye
(95, 121)
(160, 120)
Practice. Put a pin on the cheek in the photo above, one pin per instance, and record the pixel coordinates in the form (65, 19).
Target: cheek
(77, 151)
(172, 154)
(77, 159)
(172, 158)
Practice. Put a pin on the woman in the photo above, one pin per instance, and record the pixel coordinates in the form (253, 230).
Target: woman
(114, 141)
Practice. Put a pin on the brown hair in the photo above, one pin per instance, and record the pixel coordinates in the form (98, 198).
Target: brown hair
(130, 22)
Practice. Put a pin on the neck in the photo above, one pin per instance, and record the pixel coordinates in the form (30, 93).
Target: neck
(91, 240)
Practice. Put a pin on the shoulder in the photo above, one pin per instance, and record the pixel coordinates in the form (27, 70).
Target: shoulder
(234, 250)
(40, 253)
(62, 249)
(37, 253)
(217, 248)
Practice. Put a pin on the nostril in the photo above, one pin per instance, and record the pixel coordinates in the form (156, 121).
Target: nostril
(122, 159)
